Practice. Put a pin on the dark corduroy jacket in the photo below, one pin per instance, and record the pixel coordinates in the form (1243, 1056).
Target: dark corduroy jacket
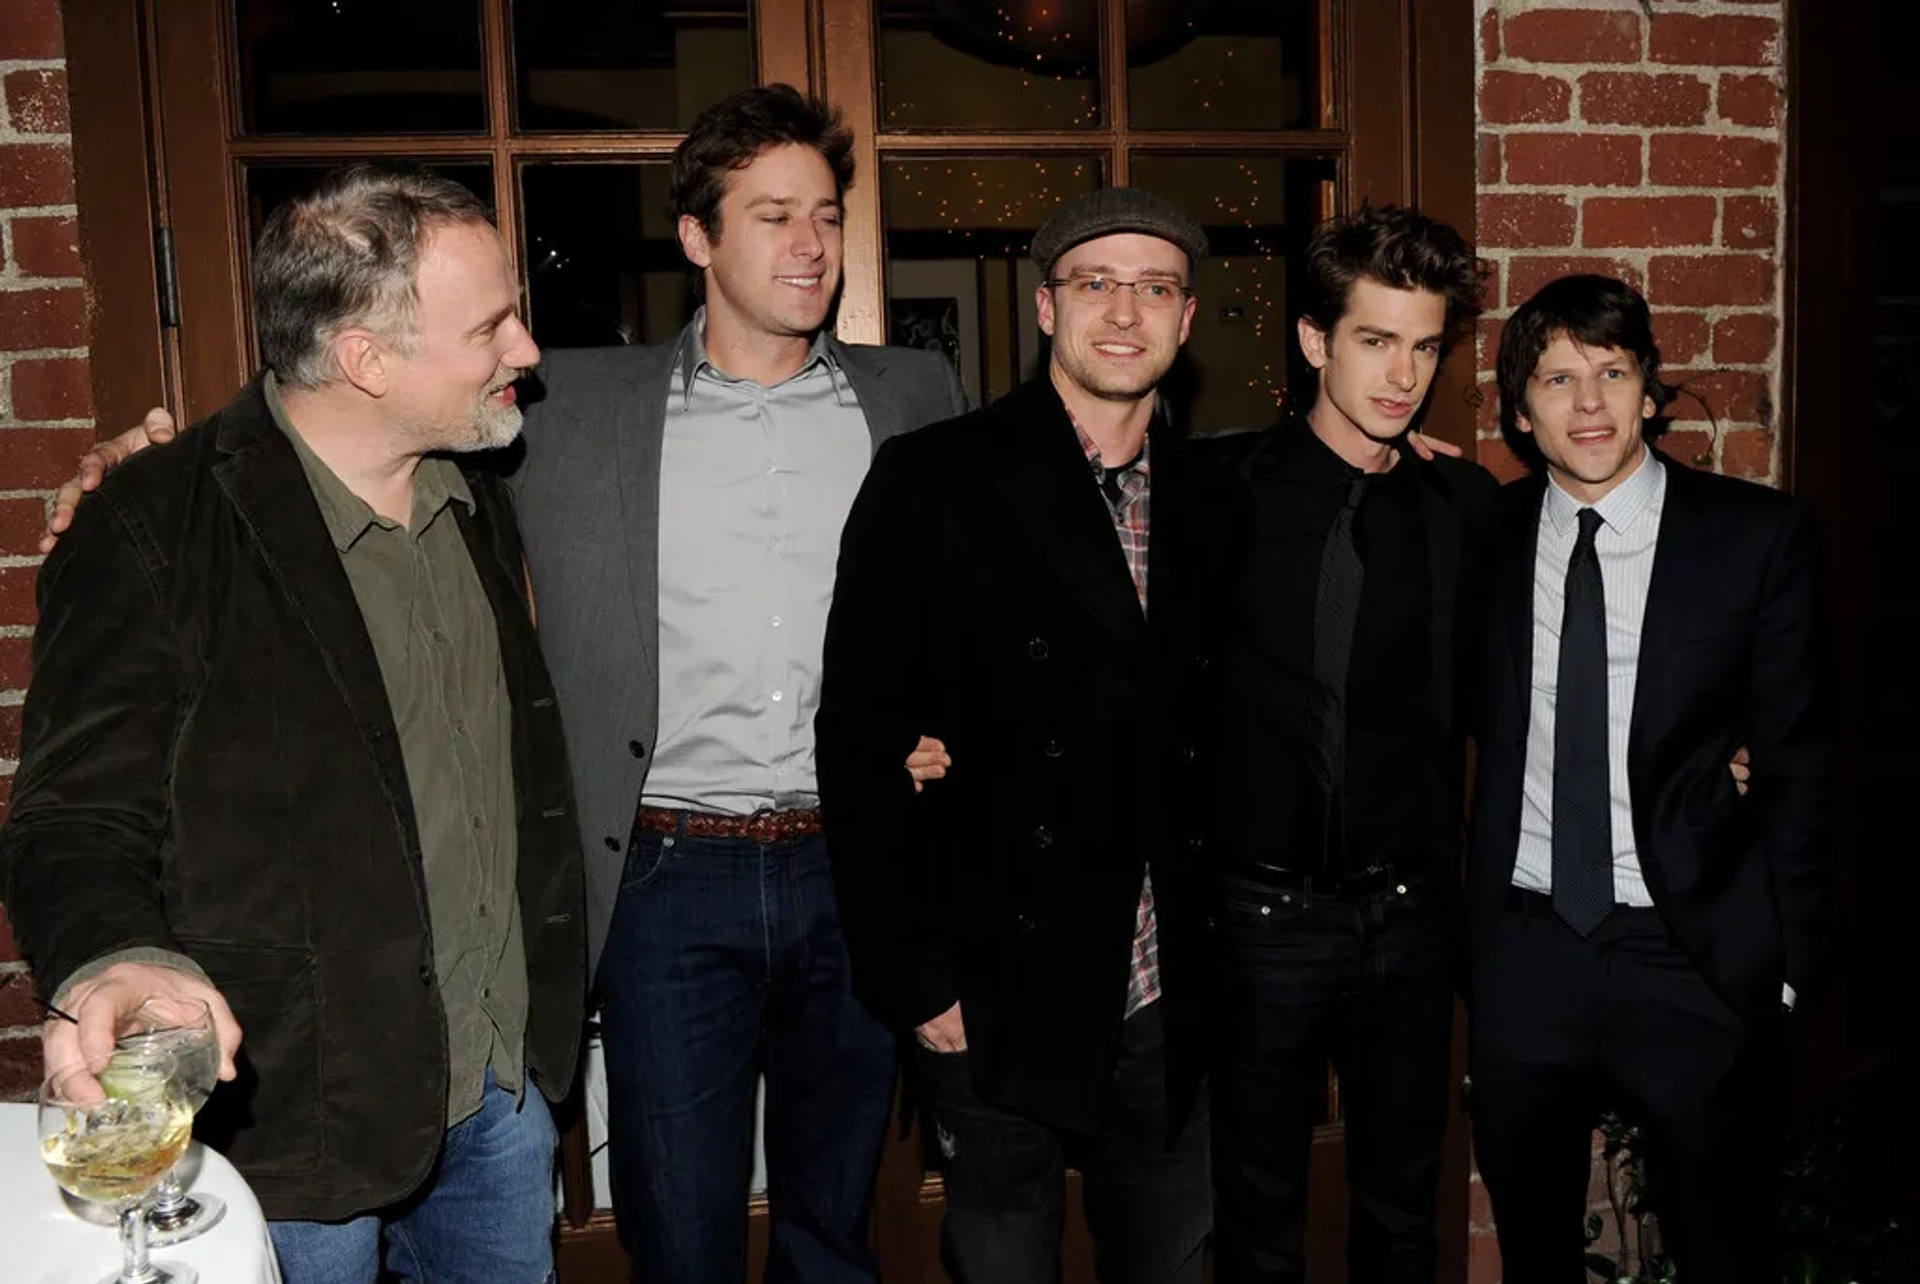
(209, 765)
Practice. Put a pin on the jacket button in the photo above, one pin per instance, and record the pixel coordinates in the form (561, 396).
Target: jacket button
(1195, 843)
(1037, 648)
(1042, 836)
(1201, 662)
(1189, 754)
(613, 844)
(426, 974)
(637, 749)
(1054, 749)
(1023, 921)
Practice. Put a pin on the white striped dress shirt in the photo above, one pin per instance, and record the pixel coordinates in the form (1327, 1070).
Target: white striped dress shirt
(1625, 542)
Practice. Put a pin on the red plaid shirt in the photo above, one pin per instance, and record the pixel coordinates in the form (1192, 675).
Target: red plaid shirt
(1130, 521)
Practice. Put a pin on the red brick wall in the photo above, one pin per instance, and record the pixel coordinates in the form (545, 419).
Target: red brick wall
(46, 411)
(1652, 149)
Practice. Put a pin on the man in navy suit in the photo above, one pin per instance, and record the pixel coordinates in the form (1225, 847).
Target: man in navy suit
(1639, 929)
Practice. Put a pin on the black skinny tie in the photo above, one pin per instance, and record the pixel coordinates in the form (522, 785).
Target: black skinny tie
(1582, 793)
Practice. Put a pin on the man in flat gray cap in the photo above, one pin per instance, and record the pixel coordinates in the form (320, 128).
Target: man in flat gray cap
(1031, 918)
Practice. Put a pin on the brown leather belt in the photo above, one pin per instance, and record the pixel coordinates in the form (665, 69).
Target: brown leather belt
(761, 827)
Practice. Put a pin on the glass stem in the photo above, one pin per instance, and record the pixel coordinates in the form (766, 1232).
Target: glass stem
(169, 1195)
(134, 1266)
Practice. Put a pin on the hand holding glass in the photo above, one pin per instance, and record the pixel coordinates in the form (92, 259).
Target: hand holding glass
(109, 1132)
(181, 1029)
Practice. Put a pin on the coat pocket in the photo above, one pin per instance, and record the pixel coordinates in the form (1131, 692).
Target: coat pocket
(268, 1120)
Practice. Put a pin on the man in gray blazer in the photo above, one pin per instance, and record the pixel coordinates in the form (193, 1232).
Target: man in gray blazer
(681, 507)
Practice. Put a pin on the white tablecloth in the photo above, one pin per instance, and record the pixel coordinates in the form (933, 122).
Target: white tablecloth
(42, 1241)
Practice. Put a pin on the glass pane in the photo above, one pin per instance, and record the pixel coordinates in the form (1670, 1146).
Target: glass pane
(603, 264)
(1228, 64)
(268, 185)
(1258, 212)
(585, 64)
(975, 64)
(360, 66)
(958, 277)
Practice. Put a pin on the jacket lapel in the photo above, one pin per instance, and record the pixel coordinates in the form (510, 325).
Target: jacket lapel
(1446, 536)
(1667, 602)
(1061, 510)
(1514, 588)
(865, 367)
(262, 478)
(641, 411)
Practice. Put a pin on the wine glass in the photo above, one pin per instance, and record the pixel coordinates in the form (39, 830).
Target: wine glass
(108, 1132)
(183, 1029)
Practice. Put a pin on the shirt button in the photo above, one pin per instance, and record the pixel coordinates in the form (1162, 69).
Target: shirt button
(776, 621)
(1042, 836)
(481, 909)
(459, 727)
(777, 697)
(477, 823)
(1037, 648)
(637, 749)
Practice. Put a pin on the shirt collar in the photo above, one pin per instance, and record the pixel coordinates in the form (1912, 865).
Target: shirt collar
(1140, 466)
(436, 482)
(691, 360)
(1619, 508)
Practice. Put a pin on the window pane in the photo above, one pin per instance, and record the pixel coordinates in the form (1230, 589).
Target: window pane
(958, 276)
(971, 64)
(1258, 212)
(585, 64)
(270, 185)
(1231, 64)
(358, 67)
(603, 264)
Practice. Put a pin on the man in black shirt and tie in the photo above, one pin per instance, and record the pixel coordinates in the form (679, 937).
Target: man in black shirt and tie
(1339, 811)
(1638, 928)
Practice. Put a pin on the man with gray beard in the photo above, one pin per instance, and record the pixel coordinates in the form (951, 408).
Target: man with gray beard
(291, 749)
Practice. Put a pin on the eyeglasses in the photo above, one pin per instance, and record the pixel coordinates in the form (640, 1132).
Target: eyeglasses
(1103, 289)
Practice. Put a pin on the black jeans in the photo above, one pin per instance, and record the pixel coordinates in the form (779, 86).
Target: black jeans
(1564, 1028)
(1146, 1201)
(1363, 982)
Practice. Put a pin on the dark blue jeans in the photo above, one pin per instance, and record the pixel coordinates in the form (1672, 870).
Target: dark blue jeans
(1362, 982)
(725, 962)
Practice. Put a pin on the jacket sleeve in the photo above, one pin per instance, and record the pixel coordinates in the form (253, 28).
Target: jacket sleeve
(873, 708)
(81, 852)
(1789, 741)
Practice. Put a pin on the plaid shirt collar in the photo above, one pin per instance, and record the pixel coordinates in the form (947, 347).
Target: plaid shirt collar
(1138, 475)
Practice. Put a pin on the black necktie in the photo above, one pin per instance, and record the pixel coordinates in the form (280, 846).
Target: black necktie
(1582, 791)
(1336, 607)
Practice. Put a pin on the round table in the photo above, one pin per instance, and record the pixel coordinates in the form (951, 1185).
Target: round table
(43, 1241)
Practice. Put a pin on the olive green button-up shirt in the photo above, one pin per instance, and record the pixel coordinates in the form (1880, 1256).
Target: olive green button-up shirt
(433, 632)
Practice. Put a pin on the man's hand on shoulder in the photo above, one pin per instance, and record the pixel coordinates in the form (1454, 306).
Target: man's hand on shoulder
(98, 1003)
(1427, 447)
(105, 456)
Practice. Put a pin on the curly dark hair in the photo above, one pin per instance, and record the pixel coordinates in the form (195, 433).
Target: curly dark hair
(730, 134)
(1397, 247)
(1593, 311)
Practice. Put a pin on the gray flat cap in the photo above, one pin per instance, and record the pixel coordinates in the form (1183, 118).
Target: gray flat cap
(1110, 210)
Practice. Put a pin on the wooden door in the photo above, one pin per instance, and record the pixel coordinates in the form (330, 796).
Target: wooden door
(973, 120)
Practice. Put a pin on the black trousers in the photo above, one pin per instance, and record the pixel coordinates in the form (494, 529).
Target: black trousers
(1564, 1029)
(1146, 1200)
(1362, 982)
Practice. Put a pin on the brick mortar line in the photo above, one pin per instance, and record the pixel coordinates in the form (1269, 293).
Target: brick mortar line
(15, 561)
(25, 494)
(9, 65)
(1645, 66)
(12, 282)
(13, 697)
(8, 134)
(1614, 129)
(12, 212)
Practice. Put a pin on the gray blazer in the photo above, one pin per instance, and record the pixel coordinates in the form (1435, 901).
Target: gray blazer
(588, 497)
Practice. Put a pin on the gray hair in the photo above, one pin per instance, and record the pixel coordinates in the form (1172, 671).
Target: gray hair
(347, 255)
